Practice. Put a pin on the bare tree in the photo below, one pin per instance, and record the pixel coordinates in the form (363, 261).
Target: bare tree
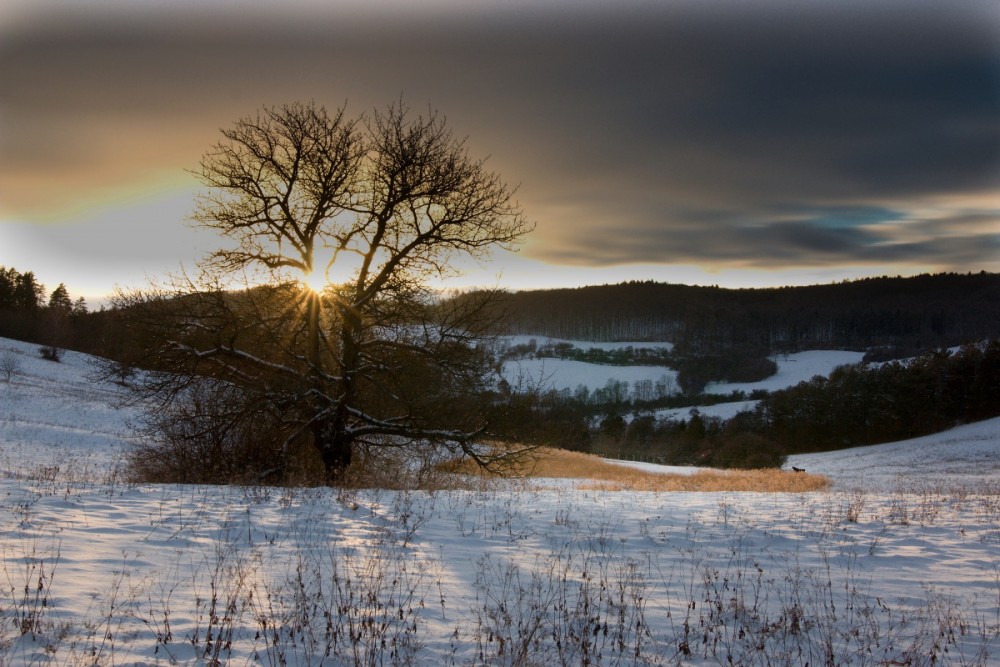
(369, 356)
(10, 365)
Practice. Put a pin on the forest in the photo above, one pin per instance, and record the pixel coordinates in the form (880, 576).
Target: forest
(910, 384)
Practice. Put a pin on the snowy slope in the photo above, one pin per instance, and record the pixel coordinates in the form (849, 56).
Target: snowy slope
(55, 414)
(567, 374)
(98, 573)
(792, 369)
(524, 339)
(559, 374)
(962, 456)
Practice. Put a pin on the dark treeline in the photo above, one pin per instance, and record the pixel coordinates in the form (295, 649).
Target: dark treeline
(895, 317)
(860, 404)
(53, 319)
(868, 404)
(21, 299)
(621, 356)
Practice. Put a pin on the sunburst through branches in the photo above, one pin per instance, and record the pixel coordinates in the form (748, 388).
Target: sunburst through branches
(342, 349)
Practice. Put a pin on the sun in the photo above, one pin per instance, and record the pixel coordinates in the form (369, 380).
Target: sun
(315, 281)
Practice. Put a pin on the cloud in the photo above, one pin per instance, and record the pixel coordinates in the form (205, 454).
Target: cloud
(823, 237)
(764, 134)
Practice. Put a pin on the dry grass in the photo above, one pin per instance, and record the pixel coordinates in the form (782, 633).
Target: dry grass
(596, 473)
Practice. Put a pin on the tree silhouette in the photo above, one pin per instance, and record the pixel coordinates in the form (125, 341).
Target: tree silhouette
(59, 300)
(367, 355)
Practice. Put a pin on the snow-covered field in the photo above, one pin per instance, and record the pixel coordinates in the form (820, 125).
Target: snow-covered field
(524, 339)
(560, 374)
(568, 374)
(898, 564)
(792, 369)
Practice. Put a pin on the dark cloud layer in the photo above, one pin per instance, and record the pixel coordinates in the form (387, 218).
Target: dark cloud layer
(758, 134)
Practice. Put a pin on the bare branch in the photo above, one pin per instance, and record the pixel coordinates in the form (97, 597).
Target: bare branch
(376, 359)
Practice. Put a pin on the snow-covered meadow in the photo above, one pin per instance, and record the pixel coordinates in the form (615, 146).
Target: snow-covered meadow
(568, 375)
(560, 374)
(897, 564)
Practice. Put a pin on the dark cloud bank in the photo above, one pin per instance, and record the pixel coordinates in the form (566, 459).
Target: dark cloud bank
(758, 134)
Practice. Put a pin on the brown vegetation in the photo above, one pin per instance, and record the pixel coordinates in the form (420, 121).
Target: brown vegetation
(595, 473)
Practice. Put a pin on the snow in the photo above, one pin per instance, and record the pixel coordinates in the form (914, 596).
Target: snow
(566, 374)
(897, 564)
(547, 374)
(55, 414)
(560, 374)
(792, 369)
(524, 339)
(720, 410)
(550, 373)
(962, 456)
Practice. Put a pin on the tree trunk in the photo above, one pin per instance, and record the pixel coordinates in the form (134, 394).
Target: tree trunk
(335, 443)
(329, 435)
(335, 450)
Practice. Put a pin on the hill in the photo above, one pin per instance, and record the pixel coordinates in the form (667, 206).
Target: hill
(54, 417)
(901, 315)
(103, 573)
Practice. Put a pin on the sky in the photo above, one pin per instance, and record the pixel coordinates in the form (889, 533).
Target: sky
(738, 143)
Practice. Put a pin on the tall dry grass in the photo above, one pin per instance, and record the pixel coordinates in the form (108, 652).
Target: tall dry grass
(595, 473)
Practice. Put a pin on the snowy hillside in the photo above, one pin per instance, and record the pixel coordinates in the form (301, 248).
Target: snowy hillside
(559, 374)
(524, 339)
(55, 414)
(962, 456)
(570, 375)
(896, 565)
(792, 369)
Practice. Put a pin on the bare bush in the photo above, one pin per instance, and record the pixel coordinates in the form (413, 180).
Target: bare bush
(10, 365)
(202, 438)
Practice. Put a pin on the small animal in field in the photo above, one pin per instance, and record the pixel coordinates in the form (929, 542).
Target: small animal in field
(798, 469)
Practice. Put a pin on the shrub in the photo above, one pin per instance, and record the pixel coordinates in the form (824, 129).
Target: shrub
(203, 439)
(10, 365)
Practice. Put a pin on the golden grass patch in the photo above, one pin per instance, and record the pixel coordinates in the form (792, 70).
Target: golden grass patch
(596, 473)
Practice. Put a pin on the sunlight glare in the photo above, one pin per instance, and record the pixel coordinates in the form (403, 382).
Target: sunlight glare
(315, 281)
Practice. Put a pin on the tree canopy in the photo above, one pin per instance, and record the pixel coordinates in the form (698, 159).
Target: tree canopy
(258, 351)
